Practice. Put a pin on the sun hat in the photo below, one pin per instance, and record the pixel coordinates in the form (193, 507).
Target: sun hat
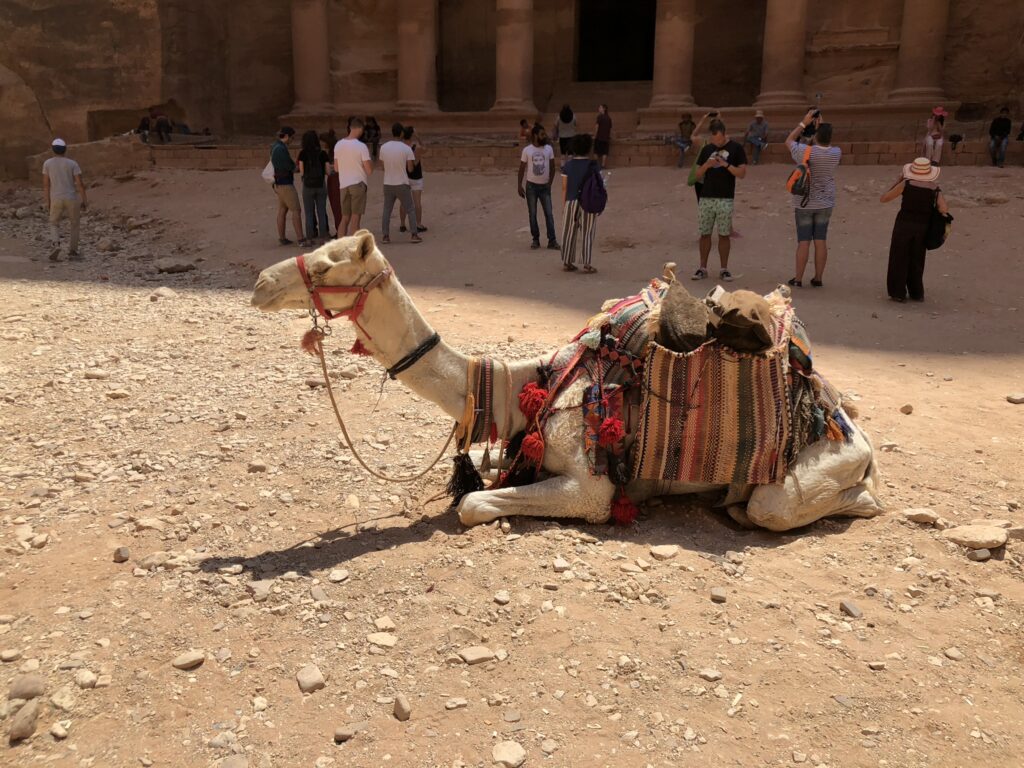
(59, 143)
(921, 170)
(759, 113)
(940, 111)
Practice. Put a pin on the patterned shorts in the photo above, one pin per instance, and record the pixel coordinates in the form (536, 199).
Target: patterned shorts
(711, 210)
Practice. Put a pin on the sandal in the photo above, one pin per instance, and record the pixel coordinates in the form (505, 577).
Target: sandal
(570, 267)
(796, 283)
(816, 282)
(385, 239)
(589, 269)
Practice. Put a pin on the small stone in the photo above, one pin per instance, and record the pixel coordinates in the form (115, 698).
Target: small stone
(850, 609)
(26, 687)
(476, 654)
(502, 597)
(1017, 398)
(403, 709)
(508, 754)
(977, 536)
(234, 761)
(511, 716)
(954, 653)
(310, 678)
(560, 565)
(384, 624)
(259, 704)
(382, 639)
(85, 679)
(319, 594)
(23, 724)
(189, 659)
(907, 409)
(337, 576)
(664, 551)
(922, 515)
(59, 731)
(172, 265)
(719, 595)
(799, 757)
(710, 674)
(549, 746)
(63, 699)
(257, 466)
(456, 703)
(121, 555)
(260, 590)
(979, 555)
(344, 733)
(97, 374)
(10, 654)
(163, 292)
(877, 666)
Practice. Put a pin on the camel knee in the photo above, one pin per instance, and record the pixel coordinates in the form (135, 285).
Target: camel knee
(474, 509)
(773, 507)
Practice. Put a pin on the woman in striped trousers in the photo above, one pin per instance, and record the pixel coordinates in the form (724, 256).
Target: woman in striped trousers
(578, 226)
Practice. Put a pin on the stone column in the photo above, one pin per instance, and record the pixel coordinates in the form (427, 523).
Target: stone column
(417, 56)
(782, 63)
(311, 59)
(922, 48)
(673, 55)
(513, 84)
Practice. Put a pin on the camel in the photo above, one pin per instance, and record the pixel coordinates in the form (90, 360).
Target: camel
(826, 478)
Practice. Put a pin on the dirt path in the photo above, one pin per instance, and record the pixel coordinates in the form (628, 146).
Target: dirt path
(191, 430)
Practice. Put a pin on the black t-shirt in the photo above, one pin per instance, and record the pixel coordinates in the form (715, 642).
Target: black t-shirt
(719, 182)
(417, 170)
(1000, 127)
(315, 167)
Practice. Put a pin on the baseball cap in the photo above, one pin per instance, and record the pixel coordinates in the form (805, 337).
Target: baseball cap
(286, 130)
(59, 143)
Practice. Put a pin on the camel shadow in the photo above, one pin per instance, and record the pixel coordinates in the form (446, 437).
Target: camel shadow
(691, 525)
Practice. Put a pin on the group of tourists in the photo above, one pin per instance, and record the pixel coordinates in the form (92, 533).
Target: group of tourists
(337, 172)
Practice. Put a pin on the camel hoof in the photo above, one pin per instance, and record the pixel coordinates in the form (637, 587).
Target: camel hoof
(740, 517)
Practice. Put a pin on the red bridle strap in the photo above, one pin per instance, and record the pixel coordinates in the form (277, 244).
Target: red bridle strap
(356, 309)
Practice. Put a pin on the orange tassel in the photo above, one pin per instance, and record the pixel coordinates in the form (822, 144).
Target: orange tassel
(309, 340)
(360, 349)
(610, 432)
(533, 448)
(624, 511)
(531, 400)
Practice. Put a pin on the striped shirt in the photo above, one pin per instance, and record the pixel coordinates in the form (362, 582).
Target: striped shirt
(823, 176)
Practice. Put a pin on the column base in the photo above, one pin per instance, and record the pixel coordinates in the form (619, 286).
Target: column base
(917, 95)
(674, 101)
(522, 107)
(781, 99)
(417, 107)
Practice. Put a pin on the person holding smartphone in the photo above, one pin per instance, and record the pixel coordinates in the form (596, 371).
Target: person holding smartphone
(721, 161)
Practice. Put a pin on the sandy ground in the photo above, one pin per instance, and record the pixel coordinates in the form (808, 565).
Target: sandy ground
(186, 429)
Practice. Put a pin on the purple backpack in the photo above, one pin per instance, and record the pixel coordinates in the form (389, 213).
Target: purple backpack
(593, 195)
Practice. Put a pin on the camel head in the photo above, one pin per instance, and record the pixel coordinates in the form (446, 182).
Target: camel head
(346, 261)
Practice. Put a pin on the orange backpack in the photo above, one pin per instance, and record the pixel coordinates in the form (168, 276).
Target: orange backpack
(799, 181)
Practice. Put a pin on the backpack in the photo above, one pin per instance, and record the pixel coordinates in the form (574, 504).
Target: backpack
(268, 173)
(799, 181)
(314, 172)
(593, 196)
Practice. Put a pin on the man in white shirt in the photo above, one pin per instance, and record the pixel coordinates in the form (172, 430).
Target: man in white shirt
(65, 196)
(537, 164)
(399, 160)
(352, 162)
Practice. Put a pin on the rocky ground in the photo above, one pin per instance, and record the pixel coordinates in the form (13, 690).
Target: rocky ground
(194, 572)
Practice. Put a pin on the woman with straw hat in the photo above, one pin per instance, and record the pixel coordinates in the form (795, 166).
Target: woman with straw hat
(920, 193)
(933, 135)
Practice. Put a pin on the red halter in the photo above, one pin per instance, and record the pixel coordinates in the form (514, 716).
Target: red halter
(356, 309)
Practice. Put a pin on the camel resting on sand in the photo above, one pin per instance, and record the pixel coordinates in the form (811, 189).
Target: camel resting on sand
(825, 478)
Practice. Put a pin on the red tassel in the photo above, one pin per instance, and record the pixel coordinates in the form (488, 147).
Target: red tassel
(309, 340)
(610, 432)
(360, 349)
(624, 511)
(533, 448)
(531, 400)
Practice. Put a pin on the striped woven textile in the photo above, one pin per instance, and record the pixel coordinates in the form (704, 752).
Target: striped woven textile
(715, 415)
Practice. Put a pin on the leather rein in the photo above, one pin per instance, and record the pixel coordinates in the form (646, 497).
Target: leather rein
(353, 314)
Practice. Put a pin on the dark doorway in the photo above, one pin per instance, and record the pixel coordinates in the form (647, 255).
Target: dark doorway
(465, 76)
(616, 40)
(727, 53)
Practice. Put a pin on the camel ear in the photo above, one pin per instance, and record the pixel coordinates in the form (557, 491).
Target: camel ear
(365, 244)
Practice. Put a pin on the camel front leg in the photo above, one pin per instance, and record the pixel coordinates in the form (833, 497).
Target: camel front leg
(827, 478)
(559, 496)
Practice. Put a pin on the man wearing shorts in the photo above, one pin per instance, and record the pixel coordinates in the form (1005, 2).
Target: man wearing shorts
(352, 162)
(719, 164)
(284, 187)
(814, 211)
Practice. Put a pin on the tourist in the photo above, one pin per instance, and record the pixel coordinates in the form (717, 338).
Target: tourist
(329, 140)
(602, 134)
(398, 159)
(162, 126)
(314, 165)
(757, 136)
(933, 135)
(371, 137)
(813, 213)
(807, 135)
(65, 196)
(284, 187)
(352, 161)
(410, 137)
(685, 139)
(565, 130)
(920, 194)
(578, 226)
(524, 132)
(537, 166)
(719, 164)
(145, 125)
(999, 137)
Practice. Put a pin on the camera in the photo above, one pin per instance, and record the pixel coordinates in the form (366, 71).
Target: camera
(712, 114)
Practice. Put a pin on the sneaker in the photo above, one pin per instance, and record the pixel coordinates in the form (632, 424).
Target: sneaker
(284, 241)
(421, 229)
(403, 228)
(385, 239)
(700, 274)
(307, 243)
(535, 244)
(553, 245)
(55, 253)
(725, 275)
(75, 256)
(416, 239)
